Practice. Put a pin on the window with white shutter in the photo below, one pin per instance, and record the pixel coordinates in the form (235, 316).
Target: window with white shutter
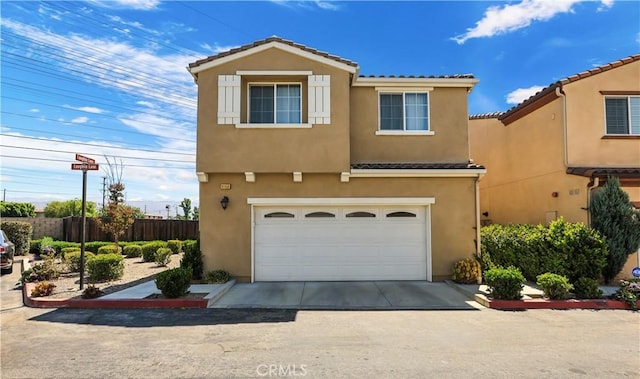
(228, 99)
(319, 99)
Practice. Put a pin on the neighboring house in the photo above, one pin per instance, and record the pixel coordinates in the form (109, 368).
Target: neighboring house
(310, 172)
(547, 155)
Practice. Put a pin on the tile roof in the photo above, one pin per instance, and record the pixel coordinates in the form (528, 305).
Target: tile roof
(573, 78)
(415, 166)
(481, 116)
(455, 76)
(269, 40)
(621, 172)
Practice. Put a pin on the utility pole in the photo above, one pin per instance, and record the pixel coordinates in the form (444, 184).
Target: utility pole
(104, 191)
(168, 208)
(4, 195)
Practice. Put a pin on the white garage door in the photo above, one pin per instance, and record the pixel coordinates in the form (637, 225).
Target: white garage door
(327, 243)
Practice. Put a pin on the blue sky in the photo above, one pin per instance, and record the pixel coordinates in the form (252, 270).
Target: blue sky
(108, 79)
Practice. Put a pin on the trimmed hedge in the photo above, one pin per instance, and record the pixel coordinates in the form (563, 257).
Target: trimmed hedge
(95, 245)
(18, 232)
(192, 259)
(163, 256)
(175, 246)
(73, 260)
(149, 250)
(505, 283)
(104, 267)
(132, 251)
(568, 249)
(554, 286)
(110, 249)
(174, 283)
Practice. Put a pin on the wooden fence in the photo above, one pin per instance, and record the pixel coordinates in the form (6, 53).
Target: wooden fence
(141, 230)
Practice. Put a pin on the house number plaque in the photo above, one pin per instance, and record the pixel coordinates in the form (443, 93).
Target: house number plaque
(225, 186)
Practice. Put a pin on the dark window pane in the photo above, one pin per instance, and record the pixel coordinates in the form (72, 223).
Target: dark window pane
(261, 104)
(320, 215)
(391, 112)
(401, 214)
(617, 116)
(361, 214)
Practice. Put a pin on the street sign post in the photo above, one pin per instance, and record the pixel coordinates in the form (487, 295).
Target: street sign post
(85, 165)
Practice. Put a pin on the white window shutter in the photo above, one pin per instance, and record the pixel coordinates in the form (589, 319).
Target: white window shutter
(319, 99)
(228, 99)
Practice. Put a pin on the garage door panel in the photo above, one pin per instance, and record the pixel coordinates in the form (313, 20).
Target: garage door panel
(340, 248)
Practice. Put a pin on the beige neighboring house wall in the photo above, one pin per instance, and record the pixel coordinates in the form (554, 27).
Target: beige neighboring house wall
(533, 175)
(336, 155)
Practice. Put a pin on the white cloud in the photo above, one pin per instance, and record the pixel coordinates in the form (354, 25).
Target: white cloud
(522, 94)
(94, 110)
(80, 120)
(216, 49)
(308, 4)
(132, 4)
(638, 37)
(606, 4)
(511, 17)
(34, 110)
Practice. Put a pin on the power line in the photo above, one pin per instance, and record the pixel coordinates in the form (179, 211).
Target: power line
(102, 163)
(96, 145)
(81, 152)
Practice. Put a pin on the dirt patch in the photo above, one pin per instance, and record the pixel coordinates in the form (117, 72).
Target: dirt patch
(135, 272)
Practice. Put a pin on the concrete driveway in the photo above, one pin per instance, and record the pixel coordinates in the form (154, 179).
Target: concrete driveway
(378, 295)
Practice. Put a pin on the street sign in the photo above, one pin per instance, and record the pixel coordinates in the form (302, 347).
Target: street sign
(85, 166)
(83, 159)
(636, 272)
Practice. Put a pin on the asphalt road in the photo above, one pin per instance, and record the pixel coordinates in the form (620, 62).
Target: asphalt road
(217, 343)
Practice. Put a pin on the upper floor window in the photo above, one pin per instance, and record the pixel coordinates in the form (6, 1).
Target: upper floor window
(404, 111)
(275, 104)
(623, 115)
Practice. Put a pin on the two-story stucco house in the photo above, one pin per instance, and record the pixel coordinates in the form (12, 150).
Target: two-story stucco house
(309, 171)
(547, 155)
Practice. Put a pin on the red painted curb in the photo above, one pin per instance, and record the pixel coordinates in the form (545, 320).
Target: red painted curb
(558, 304)
(41, 302)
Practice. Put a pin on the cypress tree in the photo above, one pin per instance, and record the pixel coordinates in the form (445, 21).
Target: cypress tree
(613, 215)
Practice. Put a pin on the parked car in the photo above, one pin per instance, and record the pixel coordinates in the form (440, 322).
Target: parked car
(7, 250)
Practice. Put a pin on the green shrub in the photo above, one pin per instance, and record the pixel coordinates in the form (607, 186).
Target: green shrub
(163, 256)
(467, 271)
(174, 283)
(67, 250)
(505, 283)
(629, 292)
(218, 276)
(93, 246)
(109, 249)
(133, 251)
(34, 247)
(192, 259)
(58, 246)
(149, 250)
(73, 259)
(18, 232)
(45, 244)
(47, 269)
(104, 267)
(15, 209)
(568, 249)
(587, 288)
(175, 246)
(554, 286)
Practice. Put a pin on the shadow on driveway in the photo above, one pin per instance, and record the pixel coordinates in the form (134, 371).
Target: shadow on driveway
(145, 318)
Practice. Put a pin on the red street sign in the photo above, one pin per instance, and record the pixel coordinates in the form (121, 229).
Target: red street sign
(83, 159)
(85, 166)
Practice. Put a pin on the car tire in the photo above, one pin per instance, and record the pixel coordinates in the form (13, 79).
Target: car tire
(7, 271)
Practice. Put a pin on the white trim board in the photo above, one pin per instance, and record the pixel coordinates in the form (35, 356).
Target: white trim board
(281, 201)
(277, 45)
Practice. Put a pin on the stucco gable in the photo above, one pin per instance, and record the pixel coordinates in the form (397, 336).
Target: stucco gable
(272, 43)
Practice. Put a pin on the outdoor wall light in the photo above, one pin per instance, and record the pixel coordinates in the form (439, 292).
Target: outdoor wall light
(224, 202)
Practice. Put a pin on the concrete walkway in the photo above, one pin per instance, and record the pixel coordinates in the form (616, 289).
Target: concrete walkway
(382, 295)
(378, 295)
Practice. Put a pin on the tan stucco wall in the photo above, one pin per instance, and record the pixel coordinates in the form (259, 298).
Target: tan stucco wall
(586, 120)
(226, 234)
(223, 148)
(448, 119)
(525, 166)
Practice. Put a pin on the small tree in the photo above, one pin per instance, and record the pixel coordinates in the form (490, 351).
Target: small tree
(120, 217)
(14, 209)
(68, 208)
(613, 215)
(196, 213)
(186, 208)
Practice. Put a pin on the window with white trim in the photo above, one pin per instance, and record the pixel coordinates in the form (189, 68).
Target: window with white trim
(406, 111)
(275, 103)
(622, 115)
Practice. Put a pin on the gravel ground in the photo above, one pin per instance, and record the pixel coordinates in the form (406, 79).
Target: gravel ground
(135, 272)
